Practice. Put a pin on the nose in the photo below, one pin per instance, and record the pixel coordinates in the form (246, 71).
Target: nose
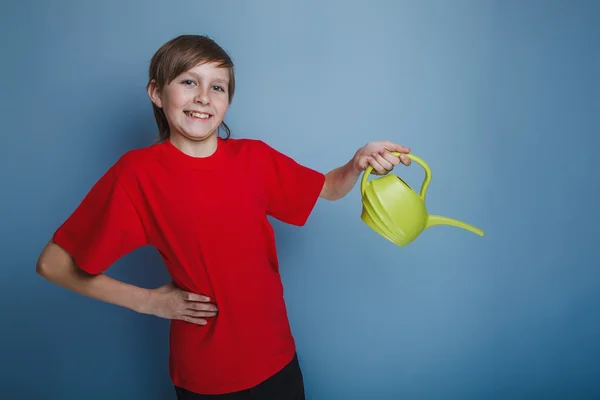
(202, 97)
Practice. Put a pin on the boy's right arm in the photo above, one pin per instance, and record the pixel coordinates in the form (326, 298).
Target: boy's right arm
(56, 265)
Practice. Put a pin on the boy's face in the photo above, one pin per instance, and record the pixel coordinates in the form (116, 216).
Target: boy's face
(195, 102)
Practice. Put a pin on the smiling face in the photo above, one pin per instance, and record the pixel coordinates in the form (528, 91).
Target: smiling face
(195, 102)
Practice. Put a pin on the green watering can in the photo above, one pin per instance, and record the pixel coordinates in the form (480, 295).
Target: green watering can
(395, 211)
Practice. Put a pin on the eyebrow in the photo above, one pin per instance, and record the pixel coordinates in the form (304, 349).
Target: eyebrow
(221, 80)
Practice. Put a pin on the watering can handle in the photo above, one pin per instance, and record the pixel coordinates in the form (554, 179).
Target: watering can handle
(418, 160)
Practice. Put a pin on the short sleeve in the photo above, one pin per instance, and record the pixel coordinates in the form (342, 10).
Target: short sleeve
(292, 189)
(104, 227)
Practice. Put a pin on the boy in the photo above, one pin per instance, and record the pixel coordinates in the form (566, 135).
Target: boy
(202, 201)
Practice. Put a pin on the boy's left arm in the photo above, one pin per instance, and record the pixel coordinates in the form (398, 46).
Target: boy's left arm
(341, 180)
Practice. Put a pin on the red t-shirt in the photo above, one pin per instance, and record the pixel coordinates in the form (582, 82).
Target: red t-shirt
(207, 217)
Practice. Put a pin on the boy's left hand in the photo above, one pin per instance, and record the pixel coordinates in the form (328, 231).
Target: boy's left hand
(378, 155)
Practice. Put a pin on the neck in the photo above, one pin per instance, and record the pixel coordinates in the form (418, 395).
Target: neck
(204, 147)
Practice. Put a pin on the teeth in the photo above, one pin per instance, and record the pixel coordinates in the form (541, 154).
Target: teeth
(198, 115)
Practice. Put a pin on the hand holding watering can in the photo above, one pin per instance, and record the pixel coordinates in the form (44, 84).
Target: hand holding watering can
(394, 210)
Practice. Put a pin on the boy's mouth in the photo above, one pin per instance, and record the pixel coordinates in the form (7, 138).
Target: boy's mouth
(197, 115)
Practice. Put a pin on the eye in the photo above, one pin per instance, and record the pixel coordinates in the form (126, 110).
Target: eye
(218, 88)
(188, 82)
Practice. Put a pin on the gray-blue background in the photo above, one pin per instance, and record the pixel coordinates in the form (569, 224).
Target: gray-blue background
(499, 97)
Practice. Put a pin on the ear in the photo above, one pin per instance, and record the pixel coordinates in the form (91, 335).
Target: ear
(154, 93)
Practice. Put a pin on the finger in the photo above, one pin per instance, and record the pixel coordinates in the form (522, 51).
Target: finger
(383, 162)
(391, 158)
(404, 159)
(395, 147)
(199, 314)
(188, 296)
(376, 166)
(201, 306)
(193, 320)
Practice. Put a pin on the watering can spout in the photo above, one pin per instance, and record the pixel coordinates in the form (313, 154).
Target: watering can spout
(433, 220)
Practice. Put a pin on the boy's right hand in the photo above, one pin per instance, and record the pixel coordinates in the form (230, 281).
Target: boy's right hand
(170, 302)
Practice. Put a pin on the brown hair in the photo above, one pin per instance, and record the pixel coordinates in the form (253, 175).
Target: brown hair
(179, 55)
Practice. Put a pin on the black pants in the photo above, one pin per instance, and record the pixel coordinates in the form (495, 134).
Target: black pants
(287, 384)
